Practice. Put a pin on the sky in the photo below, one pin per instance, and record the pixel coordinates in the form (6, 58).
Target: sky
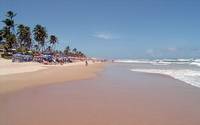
(116, 28)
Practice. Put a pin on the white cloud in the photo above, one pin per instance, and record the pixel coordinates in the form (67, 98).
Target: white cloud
(160, 52)
(172, 49)
(106, 36)
(150, 51)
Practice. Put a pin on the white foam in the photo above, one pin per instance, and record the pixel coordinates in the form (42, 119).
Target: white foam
(132, 61)
(197, 60)
(195, 63)
(191, 77)
(157, 61)
(160, 63)
(184, 60)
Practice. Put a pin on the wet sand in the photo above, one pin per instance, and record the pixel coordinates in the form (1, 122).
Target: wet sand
(116, 97)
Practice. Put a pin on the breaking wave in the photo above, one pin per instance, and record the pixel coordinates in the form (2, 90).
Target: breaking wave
(191, 77)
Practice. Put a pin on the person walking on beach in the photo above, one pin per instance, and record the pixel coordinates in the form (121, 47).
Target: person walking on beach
(86, 63)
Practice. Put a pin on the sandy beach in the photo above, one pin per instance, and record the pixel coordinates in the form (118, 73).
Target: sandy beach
(103, 62)
(8, 67)
(16, 76)
(116, 96)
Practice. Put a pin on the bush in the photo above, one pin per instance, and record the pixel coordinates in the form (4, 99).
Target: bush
(24, 51)
(6, 56)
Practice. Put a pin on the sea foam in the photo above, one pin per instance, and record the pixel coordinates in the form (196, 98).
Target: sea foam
(132, 61)
(191, 77)
(195, 62)
(188, 70)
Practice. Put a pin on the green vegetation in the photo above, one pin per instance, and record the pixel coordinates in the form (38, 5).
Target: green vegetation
(73, 52)
(23, 39)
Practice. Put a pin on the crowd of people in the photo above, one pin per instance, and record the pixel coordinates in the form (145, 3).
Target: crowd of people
(47, 59)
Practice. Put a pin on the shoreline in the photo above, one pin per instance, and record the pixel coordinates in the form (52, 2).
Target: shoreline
(51, 74)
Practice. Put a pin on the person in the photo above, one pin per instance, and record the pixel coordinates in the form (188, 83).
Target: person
(86, 63)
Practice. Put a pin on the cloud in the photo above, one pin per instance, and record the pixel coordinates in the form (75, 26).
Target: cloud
(172, 49)
(150, 51)
(105, 36)
(173, 52)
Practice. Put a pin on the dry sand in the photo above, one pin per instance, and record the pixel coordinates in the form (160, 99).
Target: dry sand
(7, 67)
(16, 76)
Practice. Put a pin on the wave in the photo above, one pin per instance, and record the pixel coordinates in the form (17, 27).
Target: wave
(153, 62)
(191, 77)
(185, 72)
(161, 61)
(131, 61)
(195, 63)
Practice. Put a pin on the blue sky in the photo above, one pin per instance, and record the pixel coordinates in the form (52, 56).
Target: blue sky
(116, 28)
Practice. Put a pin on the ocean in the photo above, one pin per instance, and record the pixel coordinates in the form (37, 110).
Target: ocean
(187, 70)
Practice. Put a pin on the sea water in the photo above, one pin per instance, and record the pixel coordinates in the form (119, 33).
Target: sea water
(187, 70)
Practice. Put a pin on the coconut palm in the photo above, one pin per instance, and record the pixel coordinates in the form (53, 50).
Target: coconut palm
(74, 51)
(67, 51)
(36, 47)
(24, 36)
(1, 36)
(80, 54)
(10, 14)
(7, 35)
(53, 40)
(10, 41)
(23, 40)
(40, 35)
(9, 21)
(8, 38)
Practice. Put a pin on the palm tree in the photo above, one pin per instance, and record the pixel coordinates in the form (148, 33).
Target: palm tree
(24, 36)
(53, 40)
(9, 21)
(6, 34)
(8, 38)
(36, 47)
(67, 51)
(40, 35)
(1, 36)
(10, 14)
(10, 41)
(80, 54)
(23, 40)
(74, 51)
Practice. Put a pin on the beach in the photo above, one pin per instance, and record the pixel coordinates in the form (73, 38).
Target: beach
(115, 96)
(106, 62)
(17, 76)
